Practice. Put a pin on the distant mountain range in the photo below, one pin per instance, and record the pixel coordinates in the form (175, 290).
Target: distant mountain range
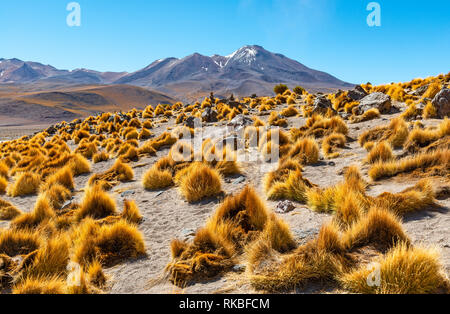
(249, 70)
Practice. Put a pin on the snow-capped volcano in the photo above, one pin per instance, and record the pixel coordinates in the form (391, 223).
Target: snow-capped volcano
(248, 70)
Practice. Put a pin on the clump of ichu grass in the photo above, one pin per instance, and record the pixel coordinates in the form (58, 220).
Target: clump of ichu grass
(429, 112)
(277, 120)
(321, 259)
(199, 182)
(395, 134)
(294, 188)
(119, 172)
(26, 183)
(331, 142)
(57, 195)
(15, 242)
(328, 258)
(370, 114)
(131, 212)
(3, 184)
(108, 243)
(79, 164)
(332, 198)
(43, 285)
(239, 220)
(436, 161)
(63, 176)
(42, 212)
(287, 182)
(419, 197)
(381, 152)
(403, 270)
(96, 204)
(306, 150)
(379, 228)
(421, 138)
(51, 259)
(290, 111)
(8, 211)
(100, 157)
(155, 179)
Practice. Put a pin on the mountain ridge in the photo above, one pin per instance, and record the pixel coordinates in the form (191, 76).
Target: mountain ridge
(250, 69)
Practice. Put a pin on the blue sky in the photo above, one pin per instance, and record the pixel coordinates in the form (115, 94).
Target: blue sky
(333, 36)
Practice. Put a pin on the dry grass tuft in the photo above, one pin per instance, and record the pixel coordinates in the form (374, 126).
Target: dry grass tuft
(109, 244)
(100, 157)
(395, 133)
(26, 183)
(96, 204)
(119, 172)
(19, 242)
(381, 152)
(331, 142)
(155, 179)
(433, 163)
(47, 285)
(403, 270)
(305, 150)
(131, 212)
(42, 212)
(200, 182)
(419, 197)
(8, 211)
(370, 114)
(239, 221)
(380, 228)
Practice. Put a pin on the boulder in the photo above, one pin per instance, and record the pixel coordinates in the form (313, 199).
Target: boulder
(321, 105)
(357, 93)
(209, 115)
(285, 207)
(442, 103)
(241, 121)
(377, 100)
(191, 121)
(51, 130)
(421, 90)
(234, 141)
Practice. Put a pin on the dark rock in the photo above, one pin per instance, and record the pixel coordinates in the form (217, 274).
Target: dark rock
(345, 115)
(209, 115)
(233, 141)
(66, 205)
(191, 122)
(127, 193)
(285, 207)
(186, 234)
(442, 103)
(357, 93)
(240, 268)
(377, 100)
(239, 180)
(51, 130)
(321, 105)
(421, 90)
(241, 121)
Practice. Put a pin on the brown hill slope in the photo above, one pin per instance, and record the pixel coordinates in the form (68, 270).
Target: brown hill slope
(59, 104)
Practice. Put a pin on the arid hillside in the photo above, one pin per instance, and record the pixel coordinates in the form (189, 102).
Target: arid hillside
(20, 106)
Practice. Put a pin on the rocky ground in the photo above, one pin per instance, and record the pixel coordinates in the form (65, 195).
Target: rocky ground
(168, 216)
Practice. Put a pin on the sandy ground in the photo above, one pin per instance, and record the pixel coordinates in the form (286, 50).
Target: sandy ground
(12, 129)
(168, 216)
